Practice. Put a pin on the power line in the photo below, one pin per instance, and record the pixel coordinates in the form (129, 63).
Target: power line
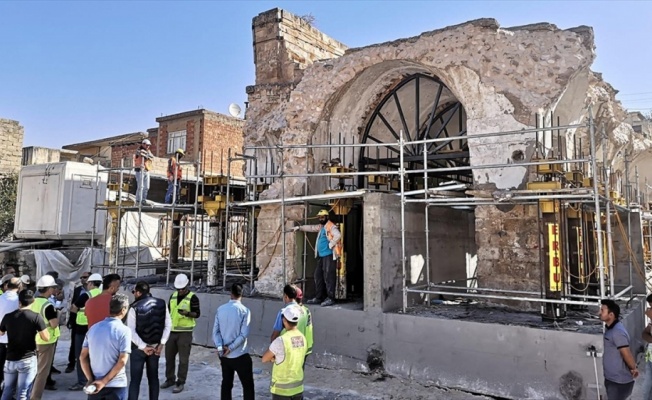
(633, 94)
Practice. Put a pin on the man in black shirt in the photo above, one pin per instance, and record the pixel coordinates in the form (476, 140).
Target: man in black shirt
(21, 327)
(79, 308)
(72, 322)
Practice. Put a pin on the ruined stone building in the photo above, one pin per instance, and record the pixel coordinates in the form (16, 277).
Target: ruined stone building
(318, 105)
(11, 133)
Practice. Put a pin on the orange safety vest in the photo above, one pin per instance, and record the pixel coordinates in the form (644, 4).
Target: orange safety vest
(172, 165)
(143, 162)
(337, 250)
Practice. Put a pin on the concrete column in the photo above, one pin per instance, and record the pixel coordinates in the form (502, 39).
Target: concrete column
(213, 253)
(174, 241)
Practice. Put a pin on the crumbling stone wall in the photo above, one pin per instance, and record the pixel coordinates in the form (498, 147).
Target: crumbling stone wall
(502, 76)
(11, 136)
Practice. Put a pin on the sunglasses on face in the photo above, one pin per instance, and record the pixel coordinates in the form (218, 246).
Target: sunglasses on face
(85, 277)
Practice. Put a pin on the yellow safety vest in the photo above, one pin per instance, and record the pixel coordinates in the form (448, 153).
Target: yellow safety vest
(38, 306)
(81, 313)
(287, 377)
(304, 326)
(308, 334)
(181, 323)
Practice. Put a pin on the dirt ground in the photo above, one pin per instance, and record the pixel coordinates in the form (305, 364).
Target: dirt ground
(204, 378)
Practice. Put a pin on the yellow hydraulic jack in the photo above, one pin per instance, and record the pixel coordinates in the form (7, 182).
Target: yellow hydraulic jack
(341, 207)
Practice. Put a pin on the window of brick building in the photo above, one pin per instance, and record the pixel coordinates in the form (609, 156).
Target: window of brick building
(176, 140)
(128, 162)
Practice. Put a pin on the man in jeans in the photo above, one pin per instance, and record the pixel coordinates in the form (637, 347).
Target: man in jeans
(105, 353)
(8, 303)
(150, 324)
(617, 362)
(21, 327)
(230, 333)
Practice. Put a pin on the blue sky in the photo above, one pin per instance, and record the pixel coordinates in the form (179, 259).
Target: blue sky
(76, 71)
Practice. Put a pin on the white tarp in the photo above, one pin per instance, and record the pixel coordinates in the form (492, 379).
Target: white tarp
(149, 230)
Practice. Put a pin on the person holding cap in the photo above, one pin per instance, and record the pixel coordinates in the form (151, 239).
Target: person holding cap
(184, 311)
(288, 353)
(79, 309)
(105, 353)
(328, 249)
(230, 333)
(8, 303)
(174, 177)
(22, 326)
(46, 286)
(142, 164)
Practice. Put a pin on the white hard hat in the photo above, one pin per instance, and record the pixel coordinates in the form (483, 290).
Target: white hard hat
(25, 279)
(146, 141)
(292, 313)
(181, 281)
(95, 278)
(46, 281)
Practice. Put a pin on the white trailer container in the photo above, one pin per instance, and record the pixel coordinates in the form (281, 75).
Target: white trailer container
(57, 201)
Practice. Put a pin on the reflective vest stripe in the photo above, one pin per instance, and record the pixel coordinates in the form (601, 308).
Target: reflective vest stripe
(291, 385)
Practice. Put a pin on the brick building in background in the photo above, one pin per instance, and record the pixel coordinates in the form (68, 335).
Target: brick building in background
(11, 153)
(201, 132)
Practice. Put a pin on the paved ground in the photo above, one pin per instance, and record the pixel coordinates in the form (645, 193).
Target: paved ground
(204, 379)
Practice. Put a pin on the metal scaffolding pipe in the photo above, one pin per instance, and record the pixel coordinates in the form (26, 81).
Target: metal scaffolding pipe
(300, 199)
(596, 191)
(424, 141)
(607, 189)
(403, 255)
(515, 298)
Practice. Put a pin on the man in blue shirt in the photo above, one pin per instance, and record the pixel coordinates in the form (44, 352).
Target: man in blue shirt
(105, 353)
(328, 250)
(289, 299)
(230, 333)
(618, 363)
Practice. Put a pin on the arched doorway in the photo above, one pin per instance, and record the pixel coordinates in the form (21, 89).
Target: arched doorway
(422, 107)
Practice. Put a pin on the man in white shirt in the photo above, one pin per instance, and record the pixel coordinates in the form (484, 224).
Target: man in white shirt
(8, 304)
(150, 324)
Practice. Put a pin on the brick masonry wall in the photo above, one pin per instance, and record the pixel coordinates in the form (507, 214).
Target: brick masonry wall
(219, 134)
(11, 151)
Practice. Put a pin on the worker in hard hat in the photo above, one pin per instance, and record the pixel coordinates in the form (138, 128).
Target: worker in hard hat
(45, 349)
(184, 311)
(79, 307)
(174, 177)
(142, 165)
(328, 249)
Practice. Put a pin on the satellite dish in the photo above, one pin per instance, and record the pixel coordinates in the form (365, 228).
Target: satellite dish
(234, 110)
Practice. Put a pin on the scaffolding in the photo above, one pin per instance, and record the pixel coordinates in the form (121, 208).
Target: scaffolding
(569, 184)
(564, 185)
(181, 227)
(598, 197)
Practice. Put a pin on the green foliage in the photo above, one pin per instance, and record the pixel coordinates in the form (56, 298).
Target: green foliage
(8, 192)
